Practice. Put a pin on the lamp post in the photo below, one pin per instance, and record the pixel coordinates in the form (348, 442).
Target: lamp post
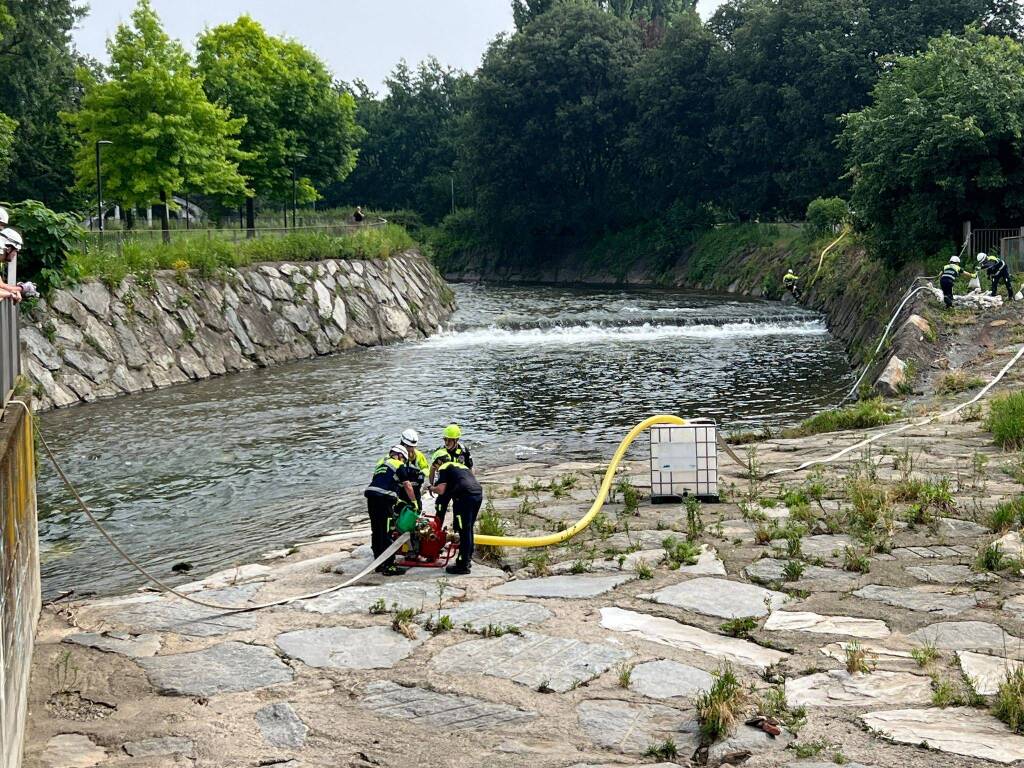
(295, 159)
(99, 182)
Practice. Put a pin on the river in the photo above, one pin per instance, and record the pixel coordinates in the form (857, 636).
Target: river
(218, 472)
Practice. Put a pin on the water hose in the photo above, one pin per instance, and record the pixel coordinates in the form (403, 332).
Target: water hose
(602, 495)
(829, 247)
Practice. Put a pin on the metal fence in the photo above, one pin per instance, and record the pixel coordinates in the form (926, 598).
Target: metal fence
(991, 240)
(117, 237)
(1011, 250)
(10, 347)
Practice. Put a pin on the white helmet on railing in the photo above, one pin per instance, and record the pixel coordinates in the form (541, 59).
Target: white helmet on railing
(11, 237)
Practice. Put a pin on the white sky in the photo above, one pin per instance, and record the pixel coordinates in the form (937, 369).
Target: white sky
(361, 39)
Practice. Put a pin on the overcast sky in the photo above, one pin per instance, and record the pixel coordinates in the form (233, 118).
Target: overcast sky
(359, 39)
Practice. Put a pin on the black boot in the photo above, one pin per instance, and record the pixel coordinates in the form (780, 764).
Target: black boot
(459, 569)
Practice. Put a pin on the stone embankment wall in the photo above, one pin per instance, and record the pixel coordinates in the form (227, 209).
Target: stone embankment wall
(94, 341)
(19, 577)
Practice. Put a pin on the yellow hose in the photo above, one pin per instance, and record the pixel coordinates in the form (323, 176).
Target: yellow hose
(602, 495)
(833, 244)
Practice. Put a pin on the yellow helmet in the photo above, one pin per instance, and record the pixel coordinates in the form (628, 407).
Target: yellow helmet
(452, 432)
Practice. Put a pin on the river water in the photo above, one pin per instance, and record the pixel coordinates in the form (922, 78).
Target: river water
(217, 472)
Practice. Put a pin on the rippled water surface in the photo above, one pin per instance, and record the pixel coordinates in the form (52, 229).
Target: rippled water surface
(220, 471)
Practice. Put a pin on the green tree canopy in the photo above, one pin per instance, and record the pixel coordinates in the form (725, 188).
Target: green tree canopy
(38, 81)
(941, 142)
(544, 130)
(166, 136)
(296, 116)
(408, 157)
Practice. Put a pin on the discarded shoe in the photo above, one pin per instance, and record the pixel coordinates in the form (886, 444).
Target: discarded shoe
(767, 724)
(457, 570)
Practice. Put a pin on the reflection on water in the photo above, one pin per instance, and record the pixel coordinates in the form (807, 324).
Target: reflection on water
(219, 471)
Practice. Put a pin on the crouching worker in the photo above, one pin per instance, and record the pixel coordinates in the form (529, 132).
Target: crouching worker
(998, 272)
(391, 483)
(456, 484)
(947, 279)
(790, 280)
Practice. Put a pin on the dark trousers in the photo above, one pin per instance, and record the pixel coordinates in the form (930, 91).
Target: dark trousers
(947, 291)
(380, 508)
(1002, 276)
(465, 509)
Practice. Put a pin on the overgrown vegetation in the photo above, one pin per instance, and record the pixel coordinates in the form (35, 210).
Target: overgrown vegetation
(490, 523)
(680, 552)
(956, 382)
(1006, 421)
(721, 705)
(862, 415)
(741, 627)
(1008, 705)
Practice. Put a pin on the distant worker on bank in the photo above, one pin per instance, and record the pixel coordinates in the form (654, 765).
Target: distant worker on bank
(948, 278)
(358, 216)
(457, 486)
(452, 450)
(998, 272)
(418, 464)
(790, 280)
(391, 483)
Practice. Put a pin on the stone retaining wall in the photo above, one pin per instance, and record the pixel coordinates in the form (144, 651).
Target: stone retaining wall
(94, 341)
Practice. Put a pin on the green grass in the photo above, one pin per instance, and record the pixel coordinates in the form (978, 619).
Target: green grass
(1006, 421)
(863, 415)
(720, 706)
(1007, 515)
(1009, 702)
(679, 553)
(742, 627)
(112, 262)
(489, 523)
(955, 382)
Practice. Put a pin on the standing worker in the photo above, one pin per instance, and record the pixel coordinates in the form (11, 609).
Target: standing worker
(789, 280)
(391, 482)
(947, 279)
(998, 272)
(419, 466)
(456, 484)
(452, 450)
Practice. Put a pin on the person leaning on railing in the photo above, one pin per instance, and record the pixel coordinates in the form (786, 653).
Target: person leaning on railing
(10, 246)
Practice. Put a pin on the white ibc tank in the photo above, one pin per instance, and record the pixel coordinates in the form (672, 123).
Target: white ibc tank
(684, 461)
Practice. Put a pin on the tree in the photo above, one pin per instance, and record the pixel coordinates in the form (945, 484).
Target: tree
(941, 142)
(408, 158)
(296, 116)
(543, 134)
(37, 82)
(165, 134)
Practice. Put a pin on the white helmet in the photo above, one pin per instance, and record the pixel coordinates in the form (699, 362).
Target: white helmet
(410, 438)
(400, 450)
(954, 259)
(982, 257)
(4, 216)
(12, 238)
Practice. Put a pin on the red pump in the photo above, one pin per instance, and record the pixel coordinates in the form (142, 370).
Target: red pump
(429, 545)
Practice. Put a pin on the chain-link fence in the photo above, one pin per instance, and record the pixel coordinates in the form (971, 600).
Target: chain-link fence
(117, 237)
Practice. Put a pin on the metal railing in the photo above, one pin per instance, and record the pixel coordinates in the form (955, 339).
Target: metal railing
(990, 240)
(231, 235)
(1011, 250)
(10, 348)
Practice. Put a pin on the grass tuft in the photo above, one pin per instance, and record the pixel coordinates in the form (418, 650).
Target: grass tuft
(862, 415)
(721, 706)
(1006, 421)
(1008, 705)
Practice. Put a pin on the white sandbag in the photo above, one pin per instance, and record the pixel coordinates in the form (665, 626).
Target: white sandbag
(1019, 296)
(975, 284)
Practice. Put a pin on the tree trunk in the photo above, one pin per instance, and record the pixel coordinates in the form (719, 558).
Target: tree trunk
(165, 217)
(250, 217)
(129, 217)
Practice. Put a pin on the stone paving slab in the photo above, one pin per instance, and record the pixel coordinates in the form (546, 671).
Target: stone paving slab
(223, 668)
(418, 596)
(72, 750)
(826, 545)
(880, 655)
(281, 726)
(959, 730)
(344, 648)
(950, 574)
(925, 599)
(838, 688)
(686, 638)
(964, 636)
(171, 614)
(815, 623)
(719, 597)
(707, 564)
(768, 571)
(229, 577)
(744, 742)
(632, 727)
(439, 710)
(480, 614)
(927, 553)
(531, 659)
(571, 587)
(132, 646)
(166, 745)
(986, 672)
(666, 679)
(952, 526)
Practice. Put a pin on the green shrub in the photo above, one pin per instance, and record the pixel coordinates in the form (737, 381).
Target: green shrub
(826, 214)
(1006, 421)
(49, 239)
(863, 415)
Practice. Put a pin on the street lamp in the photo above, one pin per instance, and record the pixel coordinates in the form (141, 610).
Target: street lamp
(99, 183)
(295, 159)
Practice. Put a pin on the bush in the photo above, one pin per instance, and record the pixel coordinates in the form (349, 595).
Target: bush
(825, 215)
(49, 239)
(863, 415)
(1006, 421)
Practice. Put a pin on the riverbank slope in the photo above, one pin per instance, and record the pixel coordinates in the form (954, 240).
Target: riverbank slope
(172, 326)
(871, 606)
